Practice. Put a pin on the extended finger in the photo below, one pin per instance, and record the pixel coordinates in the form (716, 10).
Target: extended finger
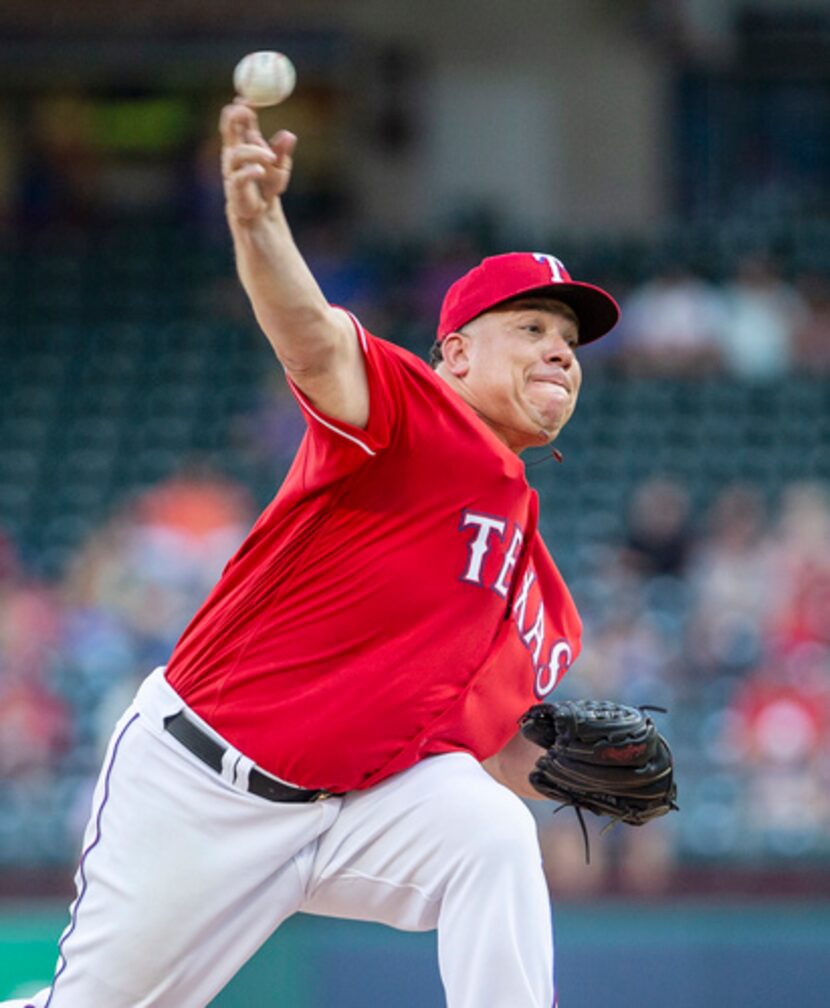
(236, 123)
(240, 155)
(283, 142)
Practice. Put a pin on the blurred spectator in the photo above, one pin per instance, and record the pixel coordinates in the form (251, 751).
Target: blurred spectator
(194, 509)
(35, 728)
(781, 721)
(633, 656)
(34, 722)
(763, 315)
(780, 744)
(659, 531)
(730, 575)
(153, 564)
(673, 325)
(812, 337)
(138, 580)
(30, 624)
(800, 545)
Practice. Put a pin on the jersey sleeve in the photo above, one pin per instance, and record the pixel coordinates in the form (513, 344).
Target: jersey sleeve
(352, 445)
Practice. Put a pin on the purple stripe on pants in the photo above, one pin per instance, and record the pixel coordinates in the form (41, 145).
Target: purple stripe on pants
(82, 867)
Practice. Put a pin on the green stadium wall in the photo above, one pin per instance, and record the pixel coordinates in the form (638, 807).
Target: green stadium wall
(684, 956)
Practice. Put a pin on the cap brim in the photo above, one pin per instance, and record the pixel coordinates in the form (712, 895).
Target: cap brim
(596, 310)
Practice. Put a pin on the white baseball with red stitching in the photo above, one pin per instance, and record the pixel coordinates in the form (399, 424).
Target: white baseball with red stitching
(264, 78)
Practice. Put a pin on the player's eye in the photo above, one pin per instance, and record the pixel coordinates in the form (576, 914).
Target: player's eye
(533, 327)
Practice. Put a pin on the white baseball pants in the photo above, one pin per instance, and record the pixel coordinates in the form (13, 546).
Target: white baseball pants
(184, 875)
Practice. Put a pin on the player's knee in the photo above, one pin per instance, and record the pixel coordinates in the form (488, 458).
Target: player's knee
(476, 820)
(513, 835)
(500, 830)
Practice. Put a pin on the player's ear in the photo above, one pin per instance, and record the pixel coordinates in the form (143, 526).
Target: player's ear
(455, 349)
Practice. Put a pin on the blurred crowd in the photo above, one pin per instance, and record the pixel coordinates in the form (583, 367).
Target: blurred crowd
(756, 325)
(73, 650)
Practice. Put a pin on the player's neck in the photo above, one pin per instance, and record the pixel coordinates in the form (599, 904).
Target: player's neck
(513, 438)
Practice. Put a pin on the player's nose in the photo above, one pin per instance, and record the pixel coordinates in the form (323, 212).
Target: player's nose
(559, 351)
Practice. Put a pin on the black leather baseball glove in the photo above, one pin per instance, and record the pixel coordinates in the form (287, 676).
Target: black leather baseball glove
(603, 757)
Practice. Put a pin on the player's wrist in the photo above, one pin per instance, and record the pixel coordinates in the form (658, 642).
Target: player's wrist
(260, 235)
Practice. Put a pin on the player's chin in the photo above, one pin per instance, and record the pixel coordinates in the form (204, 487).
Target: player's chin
(550, 421)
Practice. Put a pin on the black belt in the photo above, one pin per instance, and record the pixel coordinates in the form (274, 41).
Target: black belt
(209, 751)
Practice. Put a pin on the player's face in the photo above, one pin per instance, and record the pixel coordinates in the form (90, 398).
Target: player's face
(519, 369)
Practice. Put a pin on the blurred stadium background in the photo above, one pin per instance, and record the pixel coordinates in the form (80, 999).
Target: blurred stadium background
(677, 151)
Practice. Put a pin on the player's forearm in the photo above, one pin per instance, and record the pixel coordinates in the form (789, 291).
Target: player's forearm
(512, 765)
(318, 346)
(289, 305)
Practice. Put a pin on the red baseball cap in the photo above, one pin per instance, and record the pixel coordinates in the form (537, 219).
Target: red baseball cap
(502, 277)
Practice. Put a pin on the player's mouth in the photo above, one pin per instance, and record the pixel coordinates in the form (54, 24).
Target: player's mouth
(556, 383)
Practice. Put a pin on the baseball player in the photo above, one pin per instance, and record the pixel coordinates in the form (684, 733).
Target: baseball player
(336, 730)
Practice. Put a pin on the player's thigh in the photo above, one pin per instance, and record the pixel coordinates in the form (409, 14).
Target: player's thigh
(181, 875)
(395, 849)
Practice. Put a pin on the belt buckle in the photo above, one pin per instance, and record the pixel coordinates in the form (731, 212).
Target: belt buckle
(322, 795)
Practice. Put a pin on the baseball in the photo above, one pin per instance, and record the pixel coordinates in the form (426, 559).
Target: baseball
(264, 78)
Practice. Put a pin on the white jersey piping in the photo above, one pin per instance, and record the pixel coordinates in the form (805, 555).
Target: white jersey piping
(361, 335)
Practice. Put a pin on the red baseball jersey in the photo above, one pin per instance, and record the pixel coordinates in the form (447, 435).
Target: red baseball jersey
(395, 599)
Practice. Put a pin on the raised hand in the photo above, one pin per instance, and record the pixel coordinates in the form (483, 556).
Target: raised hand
(256, 172)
